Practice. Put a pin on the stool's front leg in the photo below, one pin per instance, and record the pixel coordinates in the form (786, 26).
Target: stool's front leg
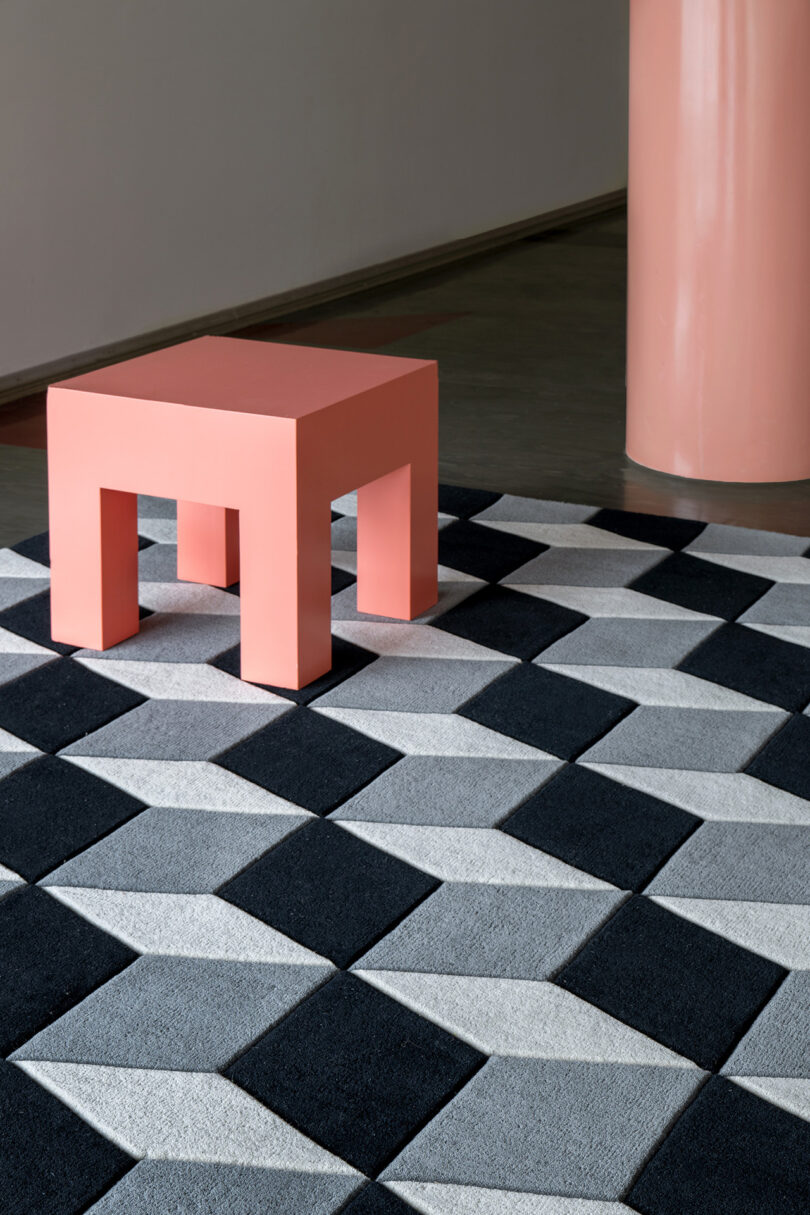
(286, 590)
(94, 561)
(207, 544)
(397, 542)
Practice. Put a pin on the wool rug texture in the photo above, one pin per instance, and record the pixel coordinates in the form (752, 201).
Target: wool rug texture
(508, 914)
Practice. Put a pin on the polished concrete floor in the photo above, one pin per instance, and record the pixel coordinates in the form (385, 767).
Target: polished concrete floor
(530, 342)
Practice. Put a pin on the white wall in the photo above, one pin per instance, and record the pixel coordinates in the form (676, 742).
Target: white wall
(163, 159)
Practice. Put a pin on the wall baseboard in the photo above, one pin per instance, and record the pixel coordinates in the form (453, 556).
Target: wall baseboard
(285, 303)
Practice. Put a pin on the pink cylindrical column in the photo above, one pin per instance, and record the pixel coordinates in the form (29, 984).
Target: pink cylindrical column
(718, 360)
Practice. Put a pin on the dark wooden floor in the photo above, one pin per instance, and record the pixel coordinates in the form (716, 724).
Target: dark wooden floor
(530, 342)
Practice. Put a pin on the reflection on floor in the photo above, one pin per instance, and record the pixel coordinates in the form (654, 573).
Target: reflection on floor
(530, 342)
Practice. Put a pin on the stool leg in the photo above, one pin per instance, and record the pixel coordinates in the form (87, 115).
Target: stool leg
(94, 563)
(286, 592)
(207, 544)
(397, 543)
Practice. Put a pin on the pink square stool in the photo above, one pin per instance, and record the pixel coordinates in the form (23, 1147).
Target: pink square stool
(254, 440)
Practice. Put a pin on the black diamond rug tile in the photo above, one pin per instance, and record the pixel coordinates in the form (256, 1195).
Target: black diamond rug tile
(15, 665)
(51, 809)
(755, 664)
(730, 1153)
(340, 578)
(702, 586)
(32, 619)
(686, 987)
(347, 660)
(55, 705)
(356, 1071)
(509, 621)
(484, 552)
(784, 761)
(329, 890)
(375, 1199)
(339, 761)
(52, 1162)
(50, 959)
(37, 548)
(462, 502)
(548, 711)
(663, 530)
(617, 833)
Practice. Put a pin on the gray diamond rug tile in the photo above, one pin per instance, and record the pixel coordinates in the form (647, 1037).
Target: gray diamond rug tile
(508, 914)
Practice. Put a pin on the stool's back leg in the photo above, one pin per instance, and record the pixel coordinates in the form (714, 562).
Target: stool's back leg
(397, 542)
(207, 544)
(94, 561)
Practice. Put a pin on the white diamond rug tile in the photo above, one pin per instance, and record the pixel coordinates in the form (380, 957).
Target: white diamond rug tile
(569, 535)
(188, 597)
(185, 785)
(186, 925)
(790, 1093)
(433, 734)
(473, 854)
(13, 643)
(659, 686)
(166, 1115)
(614, 602)
(434, 1198)
(522, 1017)
(721, 796)
(778, 569)
(182, 681)
(14, 565)
(403, 640)
(780, 931)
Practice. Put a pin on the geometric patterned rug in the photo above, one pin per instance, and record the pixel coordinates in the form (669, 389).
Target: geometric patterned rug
(509, 914)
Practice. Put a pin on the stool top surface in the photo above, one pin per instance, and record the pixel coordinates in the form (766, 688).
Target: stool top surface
(245, 376)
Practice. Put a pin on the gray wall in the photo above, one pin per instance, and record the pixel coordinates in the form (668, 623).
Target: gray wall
(163, 159)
